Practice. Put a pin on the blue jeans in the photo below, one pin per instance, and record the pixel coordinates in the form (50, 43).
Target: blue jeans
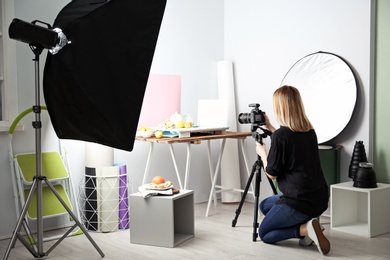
(280, 221)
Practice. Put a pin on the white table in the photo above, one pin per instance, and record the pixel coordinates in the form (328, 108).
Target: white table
(241, 136)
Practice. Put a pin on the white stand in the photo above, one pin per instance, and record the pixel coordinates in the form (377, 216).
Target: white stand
(360, 211)
(162, 220)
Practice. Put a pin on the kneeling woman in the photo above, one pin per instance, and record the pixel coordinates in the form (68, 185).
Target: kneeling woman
(293, 160)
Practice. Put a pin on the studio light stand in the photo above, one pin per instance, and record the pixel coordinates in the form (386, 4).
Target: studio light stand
(256, 170)
(36, 247)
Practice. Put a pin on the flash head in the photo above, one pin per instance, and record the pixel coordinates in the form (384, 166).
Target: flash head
(43, 37)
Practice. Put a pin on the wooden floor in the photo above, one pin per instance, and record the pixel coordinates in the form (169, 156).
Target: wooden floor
(215, 239)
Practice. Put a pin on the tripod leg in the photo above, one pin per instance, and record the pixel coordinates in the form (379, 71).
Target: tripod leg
(27, 245)
(238, 210)
(74, 218)
(61, 238)
(256, 206)
(19, 224)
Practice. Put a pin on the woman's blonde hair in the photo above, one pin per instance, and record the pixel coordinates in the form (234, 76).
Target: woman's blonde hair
(289, 109)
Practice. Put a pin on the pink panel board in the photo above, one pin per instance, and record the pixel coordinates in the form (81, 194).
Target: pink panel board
(161, 100)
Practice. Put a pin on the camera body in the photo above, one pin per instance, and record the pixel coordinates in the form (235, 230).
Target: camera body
(255, 117)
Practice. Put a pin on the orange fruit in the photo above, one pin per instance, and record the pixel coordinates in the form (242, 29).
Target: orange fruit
(158, 180)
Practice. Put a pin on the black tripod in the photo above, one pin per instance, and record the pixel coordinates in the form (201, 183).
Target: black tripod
(256, 169)
(37, 184)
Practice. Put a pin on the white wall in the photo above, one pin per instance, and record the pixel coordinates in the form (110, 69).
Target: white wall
(265, 38)
(262, 38)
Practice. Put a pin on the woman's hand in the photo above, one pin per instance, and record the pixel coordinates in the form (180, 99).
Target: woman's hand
(268, 124)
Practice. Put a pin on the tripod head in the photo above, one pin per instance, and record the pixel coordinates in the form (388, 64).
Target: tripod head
(259, 136)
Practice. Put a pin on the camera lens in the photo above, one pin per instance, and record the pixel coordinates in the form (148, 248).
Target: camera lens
(244, 118)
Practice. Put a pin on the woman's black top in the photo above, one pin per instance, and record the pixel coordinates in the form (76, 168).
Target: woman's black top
(293, 157)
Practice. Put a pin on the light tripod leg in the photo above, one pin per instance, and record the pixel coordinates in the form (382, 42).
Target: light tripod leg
(81, 226)
(61, 238)
(19, 223)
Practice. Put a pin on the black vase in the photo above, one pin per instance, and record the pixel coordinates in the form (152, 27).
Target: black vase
(358, 156)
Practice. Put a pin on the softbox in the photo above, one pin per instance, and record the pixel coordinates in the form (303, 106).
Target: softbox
(94, 86)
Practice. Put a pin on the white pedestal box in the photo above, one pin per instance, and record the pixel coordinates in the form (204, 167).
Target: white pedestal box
(162, 220)
(360, 211)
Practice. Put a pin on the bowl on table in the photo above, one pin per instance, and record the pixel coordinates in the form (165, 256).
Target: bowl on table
(145, 134)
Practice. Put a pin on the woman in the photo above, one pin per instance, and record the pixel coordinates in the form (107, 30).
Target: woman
(293, 160)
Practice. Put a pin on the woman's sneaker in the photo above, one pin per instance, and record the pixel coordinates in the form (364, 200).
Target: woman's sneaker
(307, 241)
(315, 233)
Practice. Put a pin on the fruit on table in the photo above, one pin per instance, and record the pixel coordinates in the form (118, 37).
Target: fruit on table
(180, 124)
(168, 123)
(187, 124)
(158, 134)
(158, 180)
(145, 128)
(176, 121)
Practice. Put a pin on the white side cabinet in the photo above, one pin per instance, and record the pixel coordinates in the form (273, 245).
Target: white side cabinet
(360, 211)
(162, 220)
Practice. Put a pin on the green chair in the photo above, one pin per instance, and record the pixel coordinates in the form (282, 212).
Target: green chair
(55, 169)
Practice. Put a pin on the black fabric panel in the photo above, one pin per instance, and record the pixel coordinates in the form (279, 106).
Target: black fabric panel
(94, 87)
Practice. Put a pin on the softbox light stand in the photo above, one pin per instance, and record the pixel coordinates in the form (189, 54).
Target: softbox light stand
(35, 247)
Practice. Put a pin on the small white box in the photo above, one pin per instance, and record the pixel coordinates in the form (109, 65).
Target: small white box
(360, 211)
(162, 220)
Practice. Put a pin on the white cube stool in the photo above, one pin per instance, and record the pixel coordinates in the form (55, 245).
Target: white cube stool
(360, 211)
(162, 220)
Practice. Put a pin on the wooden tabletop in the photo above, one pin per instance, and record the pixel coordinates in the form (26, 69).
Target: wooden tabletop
(197, 139)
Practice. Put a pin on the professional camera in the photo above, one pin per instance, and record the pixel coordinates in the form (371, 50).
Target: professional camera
(255, 117)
